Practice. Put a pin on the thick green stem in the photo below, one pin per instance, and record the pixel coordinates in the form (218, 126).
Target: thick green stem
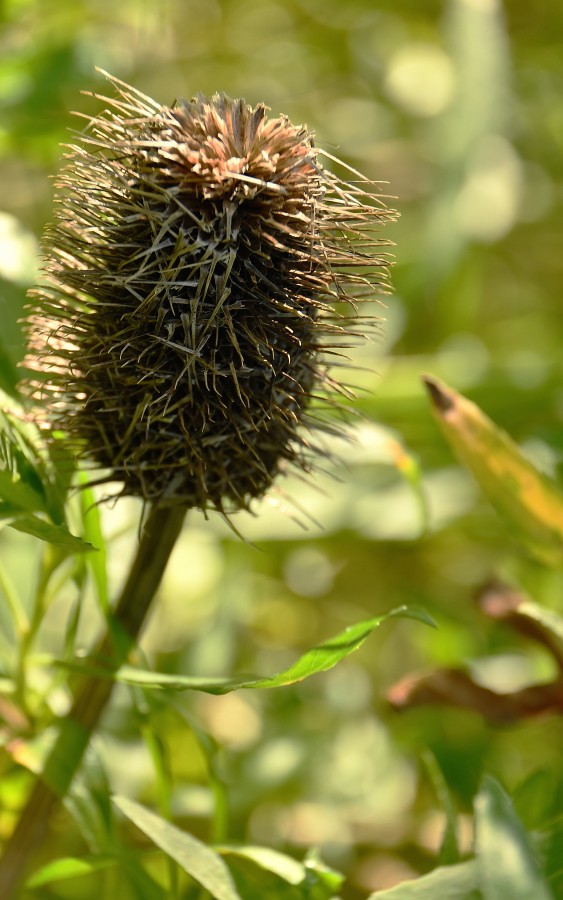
(157, 542)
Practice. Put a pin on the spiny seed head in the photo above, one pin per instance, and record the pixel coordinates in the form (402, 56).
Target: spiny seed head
(202, 268)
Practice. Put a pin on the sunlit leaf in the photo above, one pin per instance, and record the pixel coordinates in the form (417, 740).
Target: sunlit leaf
(260, 873)
(529, 501)
(200, 862)
(59, 535)
(70, 867)
(321, 658)
(291, 870)
(264, 872)
(508, 869)
(457, 882)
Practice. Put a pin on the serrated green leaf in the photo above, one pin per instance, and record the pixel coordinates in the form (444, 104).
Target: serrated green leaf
(69, 867)
(508, 869)
(457, 882)
(529, 502)
(59, 535)
(199, 861)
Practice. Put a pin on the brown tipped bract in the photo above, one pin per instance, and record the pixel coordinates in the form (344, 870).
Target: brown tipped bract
(202, 269)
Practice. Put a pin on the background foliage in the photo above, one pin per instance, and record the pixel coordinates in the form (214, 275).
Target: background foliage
(457, 104)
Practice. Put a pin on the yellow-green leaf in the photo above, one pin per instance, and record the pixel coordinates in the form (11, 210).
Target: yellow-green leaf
(529, 501)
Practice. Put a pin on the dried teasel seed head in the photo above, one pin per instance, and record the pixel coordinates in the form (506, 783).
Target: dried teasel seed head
(202, 270)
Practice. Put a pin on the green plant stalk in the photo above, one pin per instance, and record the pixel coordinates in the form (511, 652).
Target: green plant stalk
(28, 629)
(159, 536)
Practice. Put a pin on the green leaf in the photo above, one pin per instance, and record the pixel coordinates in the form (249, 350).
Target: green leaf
(529, 501)
(19, 495)
(21, 461)
(59, 535)
(262, 872)
(457, 882)
(259, 873)
(535, 798)
(145, 886)
(92, 530)
(69, 867)
(549, 845)
(508, 869)
(321, 658)
(449, 851)
(9, 375)
(88, 802)
(202, 863)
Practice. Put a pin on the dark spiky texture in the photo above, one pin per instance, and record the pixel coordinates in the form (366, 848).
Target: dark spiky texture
(202, 269)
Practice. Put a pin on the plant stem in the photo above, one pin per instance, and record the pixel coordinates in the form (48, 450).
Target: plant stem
(159, 536)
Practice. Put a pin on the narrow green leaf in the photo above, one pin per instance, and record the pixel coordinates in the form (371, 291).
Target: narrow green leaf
(255, 879)
(262, 872)
(508, 869)
(21, 462)
(69, 867)
(449, 851)
(14, 603)
(287, 868)
(535, 798)
(93, 534)
(200, 862)
(88, 802)
(529, 501)
(211, 751)
(9, 375)
(59, 535)
(549, 844)
(60, 468)
(145, 886)
(321, 658)
(457, 882)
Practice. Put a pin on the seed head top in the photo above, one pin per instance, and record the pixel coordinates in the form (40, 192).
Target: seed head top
(202, 268)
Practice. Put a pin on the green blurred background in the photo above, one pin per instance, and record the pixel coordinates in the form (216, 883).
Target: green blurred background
(458, 105)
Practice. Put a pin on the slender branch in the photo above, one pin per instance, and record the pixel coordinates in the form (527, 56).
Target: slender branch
(157, 542)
